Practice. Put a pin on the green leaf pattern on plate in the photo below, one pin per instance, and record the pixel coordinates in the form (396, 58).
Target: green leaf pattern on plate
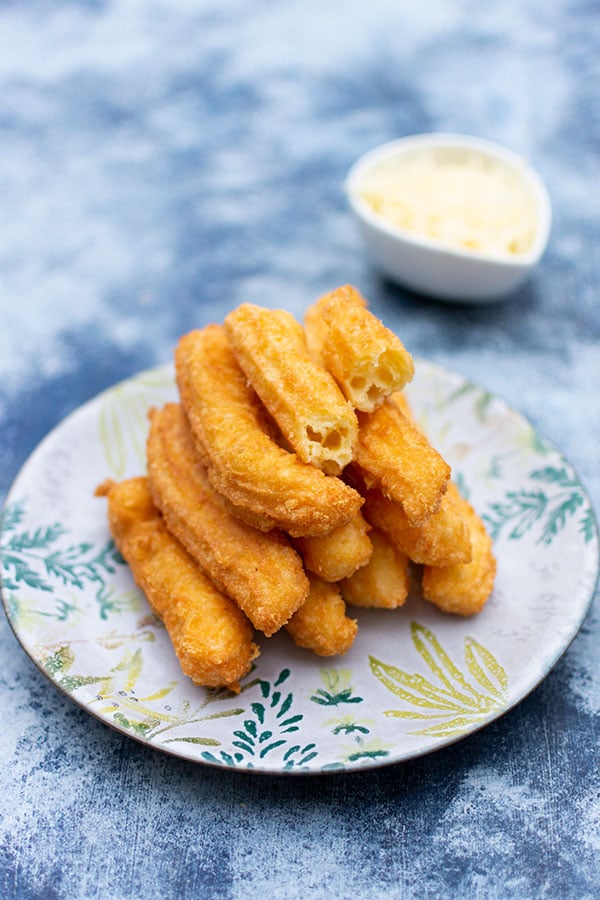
(271, 726)
(546, 509)
(337, 688)
(41, 560)
(338, 691)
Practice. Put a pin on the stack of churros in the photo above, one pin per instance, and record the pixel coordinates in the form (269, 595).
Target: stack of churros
(289, 482)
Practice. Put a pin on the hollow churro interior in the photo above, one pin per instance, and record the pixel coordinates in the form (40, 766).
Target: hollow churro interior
(329, 446)
(366, 359)
(374, 380)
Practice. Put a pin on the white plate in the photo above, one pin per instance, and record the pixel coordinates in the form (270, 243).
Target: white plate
(415, 679)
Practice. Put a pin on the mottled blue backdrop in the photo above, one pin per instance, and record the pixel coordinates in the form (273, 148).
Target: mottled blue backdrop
(163, 160)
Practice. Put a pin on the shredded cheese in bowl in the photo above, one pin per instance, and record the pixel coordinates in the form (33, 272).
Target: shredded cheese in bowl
(464, 200)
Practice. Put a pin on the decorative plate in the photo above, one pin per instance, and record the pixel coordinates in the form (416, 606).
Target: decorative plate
(415, 680)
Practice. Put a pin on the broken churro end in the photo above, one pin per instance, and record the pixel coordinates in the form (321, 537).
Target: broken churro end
(367, 360)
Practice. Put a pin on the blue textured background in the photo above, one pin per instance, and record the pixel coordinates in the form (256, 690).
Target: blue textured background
(160, 162)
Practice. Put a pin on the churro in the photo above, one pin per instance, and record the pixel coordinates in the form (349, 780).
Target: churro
(384, 582)
(396, 457)
(442, 540)
(290, 480)
(260, 571)
(338, 554)
(316, 420)
(245, 463)
(464, 588)
(321, 623)
(210, 635)
(367, 360)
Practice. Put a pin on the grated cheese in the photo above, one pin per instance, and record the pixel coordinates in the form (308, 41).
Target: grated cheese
(469, 201)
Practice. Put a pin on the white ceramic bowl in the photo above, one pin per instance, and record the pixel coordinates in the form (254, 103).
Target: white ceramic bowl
(441, 270)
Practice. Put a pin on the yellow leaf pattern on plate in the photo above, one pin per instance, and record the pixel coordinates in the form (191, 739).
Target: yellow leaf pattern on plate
(454, 699)
(122, 423)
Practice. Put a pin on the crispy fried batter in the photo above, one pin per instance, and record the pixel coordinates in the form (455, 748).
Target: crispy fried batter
(367, 360)
(321, 623)
(464, 589)
(385, 580)
(246, 465)
(442, 540)
(395, 456)
(210, 635)
(314, 417)
(338, 554)
(261, 571)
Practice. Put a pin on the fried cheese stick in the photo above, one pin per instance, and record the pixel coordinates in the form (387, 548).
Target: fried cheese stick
(317, 421)
(442, 540)
(210, 635)
(367, 360)
(464, 589)
(321, 623)
(384, 582)
(260, 571)
(244, 463)
(394, 455)
(338, 554)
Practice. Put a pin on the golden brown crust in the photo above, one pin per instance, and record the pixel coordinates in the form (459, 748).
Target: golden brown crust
(246, 465)
(260, 571)
(338, 554)
(303, 398)
(464, 588)
(442, 540)
(210, 635)
(367, 360)
(384, 582)
(321, 623)
(396, 457)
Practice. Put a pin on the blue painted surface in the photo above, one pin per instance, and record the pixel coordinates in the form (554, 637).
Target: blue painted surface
(162, 161)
